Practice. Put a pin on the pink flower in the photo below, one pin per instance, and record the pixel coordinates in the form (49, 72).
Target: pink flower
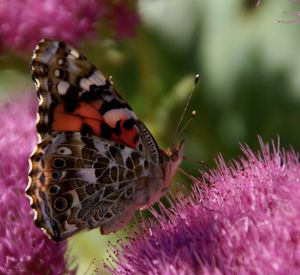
(246, 222)
(122, 18)
(17, 139)
(24, 23)
(24, 249)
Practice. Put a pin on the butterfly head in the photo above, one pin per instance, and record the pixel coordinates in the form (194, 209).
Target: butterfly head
(171, 159)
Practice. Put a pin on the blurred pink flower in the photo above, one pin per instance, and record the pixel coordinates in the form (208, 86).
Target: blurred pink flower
(122, 17)
(24, 23)
(24, 249)
(17, 139)
(247, 222)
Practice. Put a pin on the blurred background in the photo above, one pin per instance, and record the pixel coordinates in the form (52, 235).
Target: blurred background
(249, 67)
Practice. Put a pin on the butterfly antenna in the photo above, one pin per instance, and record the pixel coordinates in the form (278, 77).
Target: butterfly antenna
(193, 114)
(178, 130)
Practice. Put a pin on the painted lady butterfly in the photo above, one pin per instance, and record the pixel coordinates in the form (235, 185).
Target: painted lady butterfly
(96, 163)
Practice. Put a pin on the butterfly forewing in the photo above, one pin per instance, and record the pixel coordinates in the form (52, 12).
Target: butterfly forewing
(74, 96)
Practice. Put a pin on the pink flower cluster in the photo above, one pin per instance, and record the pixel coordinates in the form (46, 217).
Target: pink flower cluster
(242, 218)
(24, 23)
(122, 18)
(24, 249)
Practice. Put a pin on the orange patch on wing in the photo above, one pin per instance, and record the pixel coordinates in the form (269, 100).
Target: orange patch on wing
(84, 114)
(112, 116)
(94, 124)
(87, 110)
(97, 104)
(66, 122)
(127, 137)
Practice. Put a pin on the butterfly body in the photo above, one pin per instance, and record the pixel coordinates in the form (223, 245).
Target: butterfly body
(96, 163)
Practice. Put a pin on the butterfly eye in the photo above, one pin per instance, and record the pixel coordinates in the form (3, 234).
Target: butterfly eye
(56, 175)
(64, 151)
(54, 189)
(59, 163)
(60, 204)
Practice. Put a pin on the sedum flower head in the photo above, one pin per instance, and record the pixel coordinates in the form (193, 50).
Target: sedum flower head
(246, 222)
(122, 18)
(24, 23)
(24, 249)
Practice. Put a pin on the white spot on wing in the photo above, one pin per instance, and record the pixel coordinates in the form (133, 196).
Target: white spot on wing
(97, 78)
(62, 87)
(88, 174)
(39, 138)
(57, 72)
(74, 53)
(41, 100)
(112, 116)
(37, 118)
(47, 54)
(100, 147)
(85, 84)
(64, 151)
(37, 84)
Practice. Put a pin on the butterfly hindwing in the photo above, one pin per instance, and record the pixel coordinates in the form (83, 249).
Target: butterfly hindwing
(82, 182)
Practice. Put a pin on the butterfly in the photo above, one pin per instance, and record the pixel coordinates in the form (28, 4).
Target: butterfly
(95, 163)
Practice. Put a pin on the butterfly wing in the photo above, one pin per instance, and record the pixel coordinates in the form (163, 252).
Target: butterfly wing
(75, 96)
(79, 182)
(96, 162)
